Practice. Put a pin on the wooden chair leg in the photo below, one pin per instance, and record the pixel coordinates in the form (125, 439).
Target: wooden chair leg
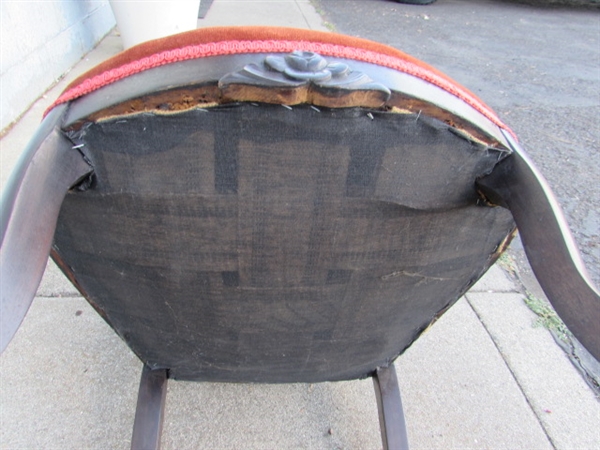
(149, 413)
(391, 414)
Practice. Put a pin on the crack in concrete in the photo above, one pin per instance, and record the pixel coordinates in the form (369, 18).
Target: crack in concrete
(512, 374)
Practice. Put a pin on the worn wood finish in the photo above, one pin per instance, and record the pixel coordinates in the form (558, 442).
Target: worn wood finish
(258, 243)
(165, 102)
(31, 203)
(549, 245)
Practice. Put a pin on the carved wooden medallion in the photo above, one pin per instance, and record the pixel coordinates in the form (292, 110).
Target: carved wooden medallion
(303, 77)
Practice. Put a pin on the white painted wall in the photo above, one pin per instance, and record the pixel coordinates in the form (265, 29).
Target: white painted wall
(39, 42)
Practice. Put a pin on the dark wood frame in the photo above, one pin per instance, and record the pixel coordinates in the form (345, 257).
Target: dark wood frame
(31, 202)
(150, 409)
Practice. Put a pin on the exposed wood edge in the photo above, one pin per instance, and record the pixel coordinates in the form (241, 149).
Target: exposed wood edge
(312, 95)
(177, 100)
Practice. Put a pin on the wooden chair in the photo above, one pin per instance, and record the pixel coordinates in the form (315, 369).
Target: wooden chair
(276, 205)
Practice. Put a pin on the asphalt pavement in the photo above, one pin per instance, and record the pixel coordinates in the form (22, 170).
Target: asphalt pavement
(485, 376)
(537, 66)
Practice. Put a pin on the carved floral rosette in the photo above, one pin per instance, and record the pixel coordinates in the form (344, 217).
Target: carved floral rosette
(303, 74)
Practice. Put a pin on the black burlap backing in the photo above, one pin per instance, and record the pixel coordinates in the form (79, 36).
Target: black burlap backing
(258, 243)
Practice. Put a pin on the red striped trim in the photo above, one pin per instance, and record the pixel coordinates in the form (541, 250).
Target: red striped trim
(273, 46)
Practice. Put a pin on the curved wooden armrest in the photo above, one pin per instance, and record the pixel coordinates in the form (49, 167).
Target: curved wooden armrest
(552, 252)
(31, 202)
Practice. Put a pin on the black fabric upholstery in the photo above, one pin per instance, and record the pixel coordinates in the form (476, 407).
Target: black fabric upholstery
(256, 243)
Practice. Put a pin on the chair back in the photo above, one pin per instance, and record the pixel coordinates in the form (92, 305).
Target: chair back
(277, 216)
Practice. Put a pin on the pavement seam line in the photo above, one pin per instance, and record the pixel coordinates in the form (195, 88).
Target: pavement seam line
(65, 295)
(303, 15)
(512, 373)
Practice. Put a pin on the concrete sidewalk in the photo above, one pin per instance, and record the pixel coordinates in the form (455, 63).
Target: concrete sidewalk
(482, 377)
